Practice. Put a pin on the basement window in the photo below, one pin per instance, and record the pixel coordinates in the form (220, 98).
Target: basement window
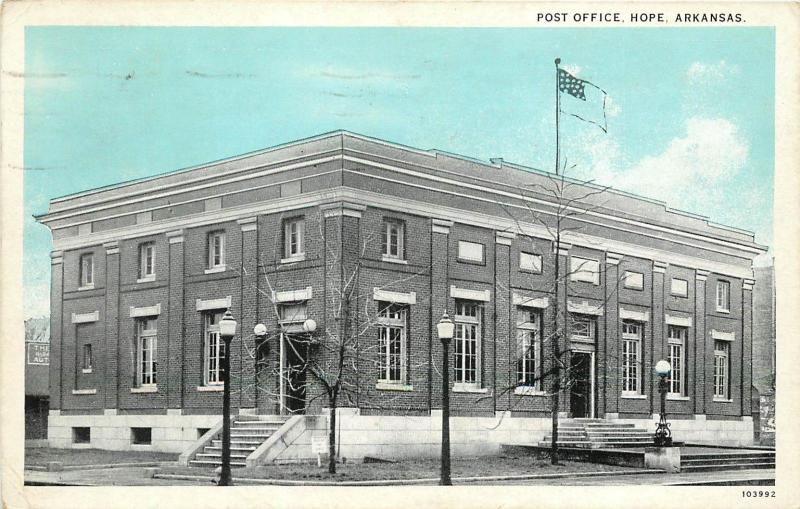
(141, 436)
(81, 435)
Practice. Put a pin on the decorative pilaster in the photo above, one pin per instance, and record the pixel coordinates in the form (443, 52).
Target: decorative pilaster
(111, 346)
(440, 232)
(504, 344)
(747, 345)
(175, 314)
(701, 354)
(249, 309)
(608, 353)
(56, 323)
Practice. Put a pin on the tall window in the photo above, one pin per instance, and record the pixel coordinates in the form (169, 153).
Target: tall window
(676, 339)
(214, 349)
(146, 351)
(721, 369)
(216, 250)
(584, 269)
(467, 342)
(87, 358)
(631, 357)
(723, 296)
(147, 260)
(293, 234)
(87, 269)
(529, 337)
(393, 239)
(392, 338)
(582, 327)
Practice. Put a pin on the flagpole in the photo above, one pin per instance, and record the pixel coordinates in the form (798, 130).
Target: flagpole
(558, 114)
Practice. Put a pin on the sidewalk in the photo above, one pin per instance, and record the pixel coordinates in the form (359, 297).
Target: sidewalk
(136, 477)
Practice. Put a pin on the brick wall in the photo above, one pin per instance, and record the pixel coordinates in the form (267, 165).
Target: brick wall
(253, 269)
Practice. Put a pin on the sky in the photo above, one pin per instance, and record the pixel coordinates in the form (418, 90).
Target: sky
(690, 111)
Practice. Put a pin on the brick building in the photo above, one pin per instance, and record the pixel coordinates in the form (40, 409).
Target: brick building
(141, 272)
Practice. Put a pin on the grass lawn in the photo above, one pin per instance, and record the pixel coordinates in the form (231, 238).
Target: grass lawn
(408, 469)
(42, 455)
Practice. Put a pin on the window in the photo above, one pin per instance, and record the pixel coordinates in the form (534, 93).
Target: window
(634, 280)
(213, 348)
(582, 327)
(530, 262)
(631, 357)
(676, 339)
(141, 436)
(146, 351)
(293, 233)
(81, 435)
(529, 337)
(392, 339)
(467, 342)
(721, 369)
(585, 270)
(216, 250)
(470, 251)
(723, 296)
(679, 287)
(87, 358)
(393, 231)
(87, 270)
(292, 316)
(147, 259)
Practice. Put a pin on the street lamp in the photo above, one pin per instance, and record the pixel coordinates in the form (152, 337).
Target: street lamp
(663, 436)
(445, 331)
(227, 329)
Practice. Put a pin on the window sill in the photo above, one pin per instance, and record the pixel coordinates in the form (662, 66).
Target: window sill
(293, 259)
(214, 270)
(634, 288)
(87, 287)
(592, 282)
(148, 279)
(679, 295)
(633, 396)
(469, 388)
(529, 391)
(725, 311)
(89, 370)
(473, 262)
(141, 447)
(530, 271)
(145, 389)
(675, 397)
(84, 391)
(211, 388)
(722, 400)
(389, 386)
(391, 259)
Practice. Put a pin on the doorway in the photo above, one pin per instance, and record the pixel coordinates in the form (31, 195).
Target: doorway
(293, 375)
(582, 386)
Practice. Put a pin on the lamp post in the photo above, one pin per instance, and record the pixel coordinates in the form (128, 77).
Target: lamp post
(227, 329)
(445, 329)
(663, 435)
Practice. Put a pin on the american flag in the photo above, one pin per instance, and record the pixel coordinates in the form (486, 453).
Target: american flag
(589, 103)
(571, 85)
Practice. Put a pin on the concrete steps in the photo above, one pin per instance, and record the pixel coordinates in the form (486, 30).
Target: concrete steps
(246, 436)
(727, 461)
(599, 434)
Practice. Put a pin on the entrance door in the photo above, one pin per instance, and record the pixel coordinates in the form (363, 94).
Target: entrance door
(293, 379)
(582, 388)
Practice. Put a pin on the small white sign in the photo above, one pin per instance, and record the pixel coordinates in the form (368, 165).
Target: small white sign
(319, 445)
(39, 353)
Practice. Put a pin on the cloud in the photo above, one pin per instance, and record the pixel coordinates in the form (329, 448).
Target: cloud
(701, 72)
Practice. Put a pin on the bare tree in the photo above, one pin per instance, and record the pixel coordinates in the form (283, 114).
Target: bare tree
(343, 349)
(37, 330)
(568, 200)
